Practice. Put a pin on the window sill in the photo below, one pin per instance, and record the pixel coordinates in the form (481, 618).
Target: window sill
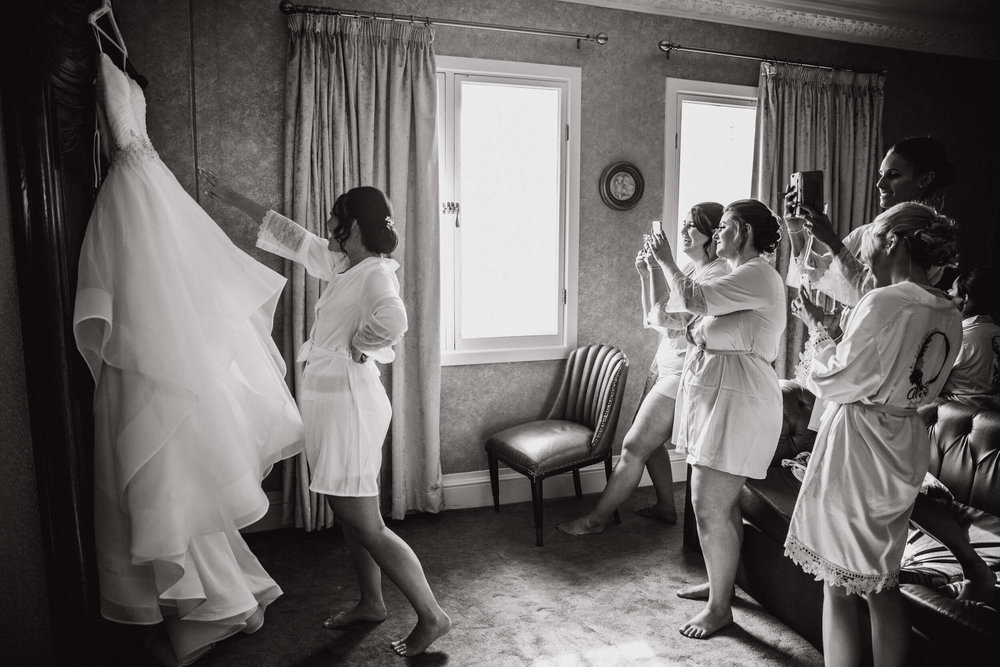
(505, 355)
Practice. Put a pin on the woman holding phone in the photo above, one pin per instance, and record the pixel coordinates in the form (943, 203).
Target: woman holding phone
(916, 169)
(646, 442)
(728, 411)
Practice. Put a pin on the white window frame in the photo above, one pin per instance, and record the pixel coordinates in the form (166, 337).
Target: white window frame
(678, 91)
(456, 352)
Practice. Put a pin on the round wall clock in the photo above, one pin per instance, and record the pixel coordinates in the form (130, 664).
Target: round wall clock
(621, 185)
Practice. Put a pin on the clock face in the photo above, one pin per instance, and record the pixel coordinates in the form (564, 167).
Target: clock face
(622, 186)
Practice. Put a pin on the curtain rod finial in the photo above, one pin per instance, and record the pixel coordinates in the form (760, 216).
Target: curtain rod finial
(601, 38)
(666, 47)
(286, 7)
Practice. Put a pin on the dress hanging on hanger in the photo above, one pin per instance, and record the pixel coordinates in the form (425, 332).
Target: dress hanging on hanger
(191, 409)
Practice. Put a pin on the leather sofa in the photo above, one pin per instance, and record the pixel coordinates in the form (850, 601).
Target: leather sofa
(965, 456)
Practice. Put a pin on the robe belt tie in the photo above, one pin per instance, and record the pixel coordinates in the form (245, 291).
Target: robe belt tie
(742, 353)
(887, 409)
(310, 349)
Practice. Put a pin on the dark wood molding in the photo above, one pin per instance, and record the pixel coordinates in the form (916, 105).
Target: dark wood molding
(48, 101)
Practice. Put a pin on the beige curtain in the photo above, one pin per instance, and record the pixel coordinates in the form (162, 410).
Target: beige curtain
(807, 119)
(360, 109)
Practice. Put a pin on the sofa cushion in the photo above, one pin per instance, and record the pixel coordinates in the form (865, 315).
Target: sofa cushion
(967, 457)
(926, 561)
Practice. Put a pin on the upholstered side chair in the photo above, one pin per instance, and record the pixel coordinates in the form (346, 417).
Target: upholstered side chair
(578, 431)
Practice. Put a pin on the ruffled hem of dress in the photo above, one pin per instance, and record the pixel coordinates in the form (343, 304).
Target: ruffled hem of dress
(215, 589)
(834, 575)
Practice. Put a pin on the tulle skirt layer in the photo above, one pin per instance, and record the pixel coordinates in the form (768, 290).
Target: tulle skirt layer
(191, 407)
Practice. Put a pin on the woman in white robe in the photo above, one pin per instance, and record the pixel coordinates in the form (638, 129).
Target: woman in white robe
(728, 412)
(645, 444)
(345, 410)
(849, 526)
(914, 169)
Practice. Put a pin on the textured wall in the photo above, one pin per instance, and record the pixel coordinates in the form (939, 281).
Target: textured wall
(25, 632)
(238, 49)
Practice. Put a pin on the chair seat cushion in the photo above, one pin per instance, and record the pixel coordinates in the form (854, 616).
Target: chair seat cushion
(542, 446)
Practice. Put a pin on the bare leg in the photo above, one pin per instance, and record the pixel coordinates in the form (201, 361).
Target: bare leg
(720, 529)
(371, 607)
(841, 636)
(890, 628)
(361, 518)
(701, 591)
(935, 518)
(662, 476)
(648, 433)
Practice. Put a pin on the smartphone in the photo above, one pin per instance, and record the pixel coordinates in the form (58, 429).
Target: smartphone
(808, 187)
(657, 227)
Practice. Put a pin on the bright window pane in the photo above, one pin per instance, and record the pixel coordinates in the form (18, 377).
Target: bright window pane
(509, 221)
(716, 154)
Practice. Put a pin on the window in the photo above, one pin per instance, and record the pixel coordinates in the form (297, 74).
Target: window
(711, 155)
(508, 146)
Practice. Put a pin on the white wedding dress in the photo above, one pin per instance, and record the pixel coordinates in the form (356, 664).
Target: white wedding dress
(190, 406)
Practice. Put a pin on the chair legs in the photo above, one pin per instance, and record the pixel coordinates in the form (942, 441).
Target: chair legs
(536, 490)
(607, 475)
(536, 501)
(494, 479)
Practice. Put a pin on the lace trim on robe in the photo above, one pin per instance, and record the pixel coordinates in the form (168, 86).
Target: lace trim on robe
(804, 366)
(690, 294)
(663, 314)
(834, 575)
(135, 151)
(276, 231)
(817, 337)
(854, 271)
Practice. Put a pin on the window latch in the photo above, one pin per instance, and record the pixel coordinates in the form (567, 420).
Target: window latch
(451, 207)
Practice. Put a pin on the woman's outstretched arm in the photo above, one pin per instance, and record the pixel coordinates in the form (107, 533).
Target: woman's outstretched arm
(278, 235)
(227, 195)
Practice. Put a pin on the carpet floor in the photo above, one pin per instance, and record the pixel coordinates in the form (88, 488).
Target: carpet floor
(607, 599)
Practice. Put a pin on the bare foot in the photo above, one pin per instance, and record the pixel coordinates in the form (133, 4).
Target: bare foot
(696, 592)
(980, 587)
(422, 636)
(582, 526)
(657, 514)
(707, 623)
(357, 614)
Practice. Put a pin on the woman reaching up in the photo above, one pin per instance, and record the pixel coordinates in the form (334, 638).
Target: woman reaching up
(345, 410)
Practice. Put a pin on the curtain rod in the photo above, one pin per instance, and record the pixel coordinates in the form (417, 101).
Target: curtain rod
(667, 47)
(288, 7)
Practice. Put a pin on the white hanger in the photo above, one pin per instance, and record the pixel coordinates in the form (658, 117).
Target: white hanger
(118, 41)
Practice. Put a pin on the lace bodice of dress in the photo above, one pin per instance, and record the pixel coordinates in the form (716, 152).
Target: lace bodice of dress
(125, 112)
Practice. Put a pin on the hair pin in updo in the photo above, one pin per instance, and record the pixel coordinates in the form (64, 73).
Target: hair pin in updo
(390, 223)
